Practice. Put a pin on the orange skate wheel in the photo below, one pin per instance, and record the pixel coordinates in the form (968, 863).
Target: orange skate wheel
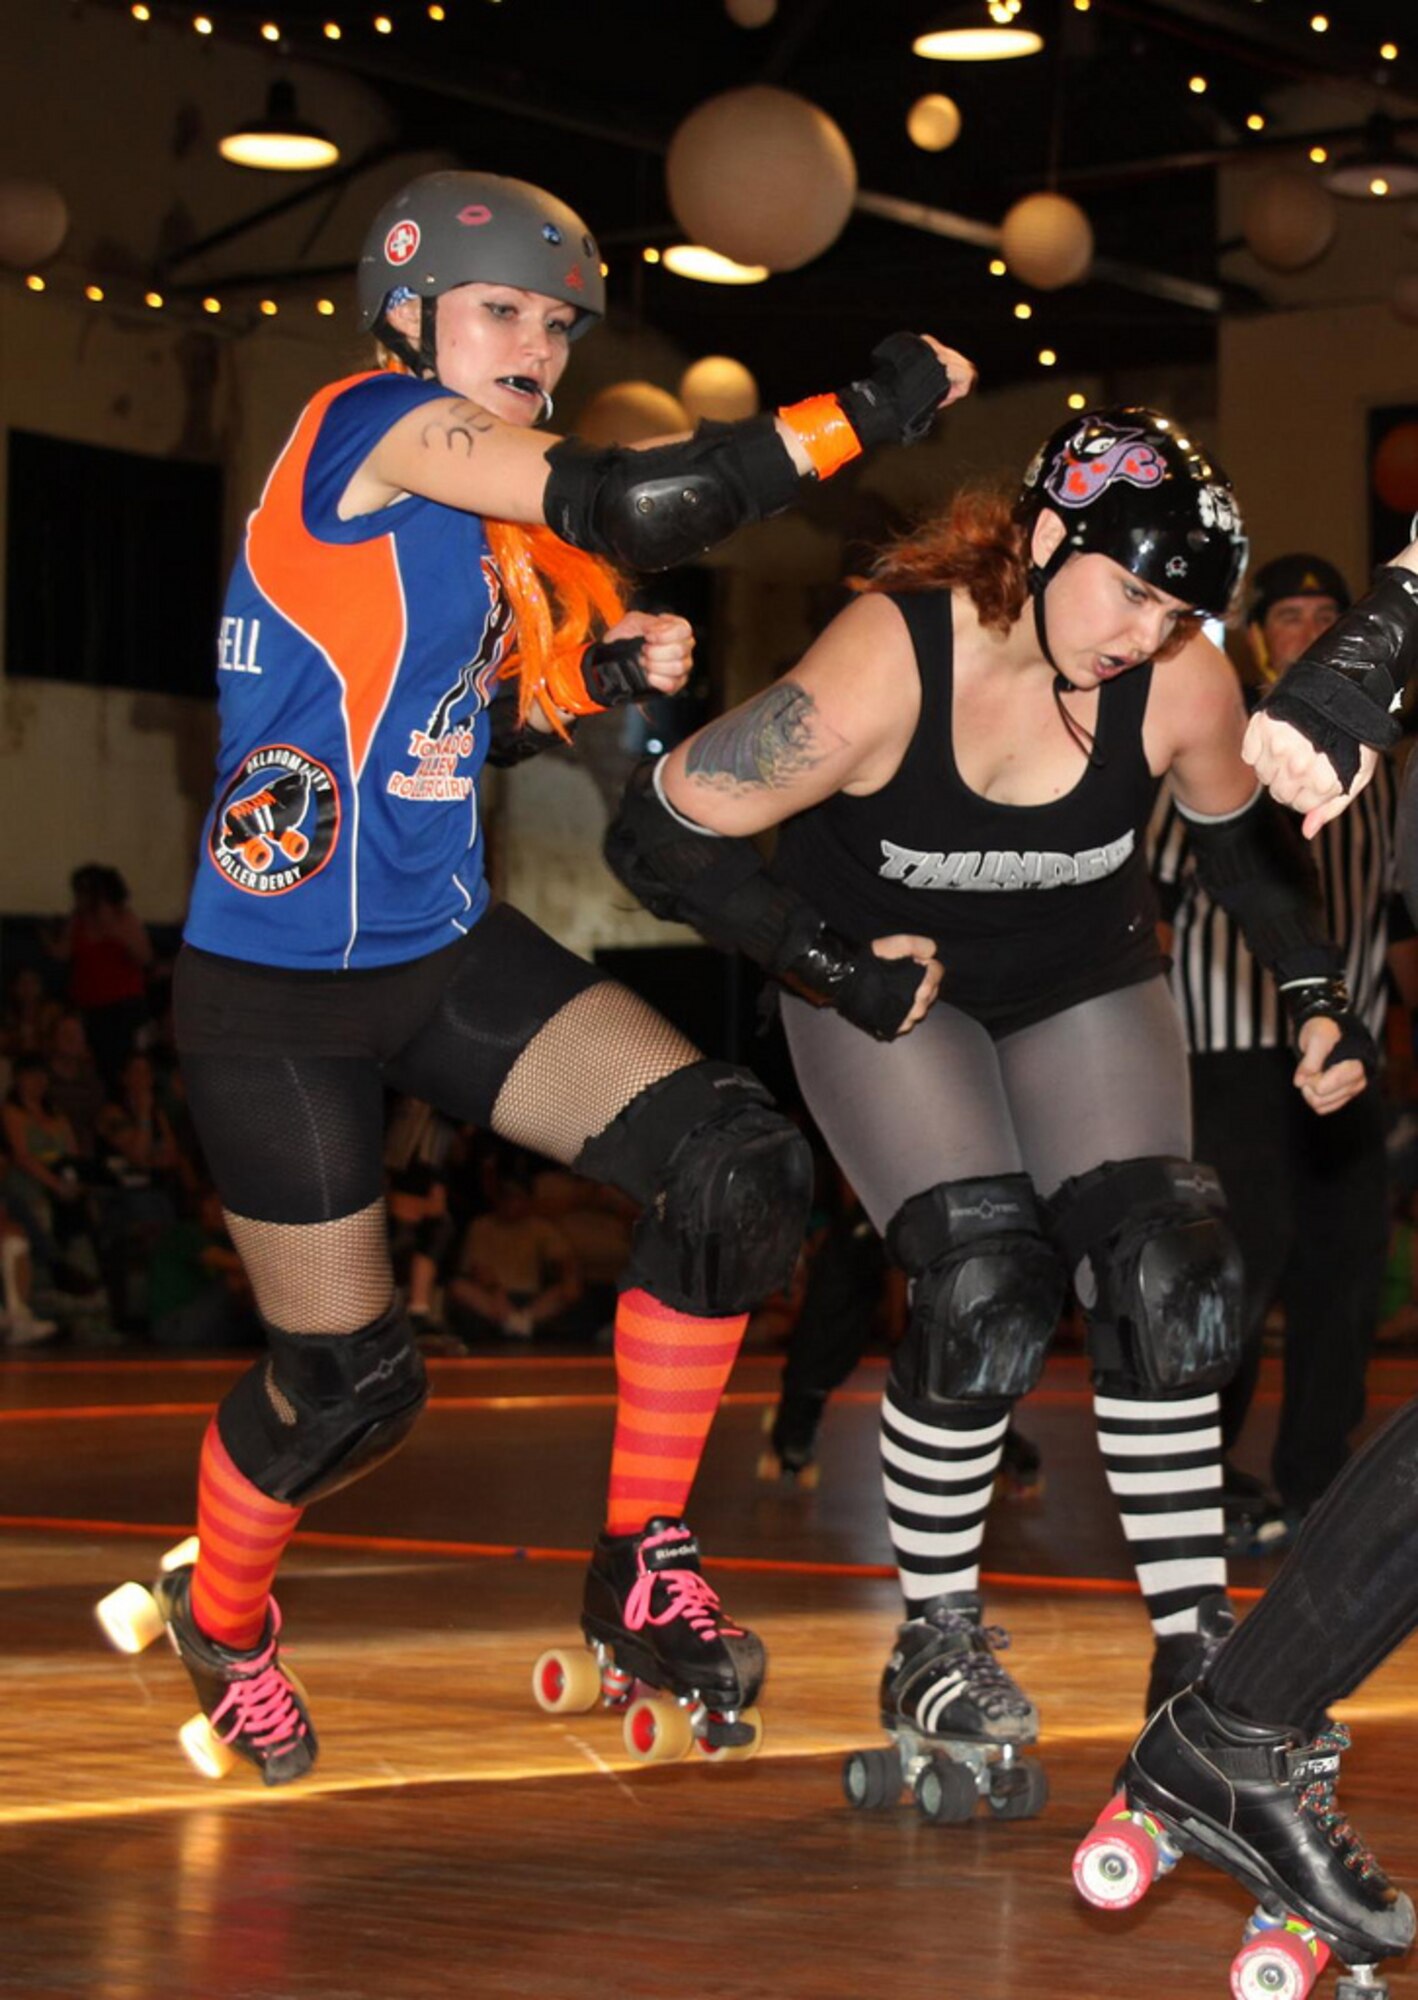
(129, 1618)
(256, 854)
(204, 1749)
(566, 1683)
(656, 1731)
(735, 1753)
(294, 845)
(1115, 1863)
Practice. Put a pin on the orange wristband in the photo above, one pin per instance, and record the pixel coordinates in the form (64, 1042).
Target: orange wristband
(821, 427)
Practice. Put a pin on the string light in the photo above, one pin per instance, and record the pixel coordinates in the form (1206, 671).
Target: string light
(1389, 51)
(269, 308)
(1196, 85)
(325, 307)
(270, 32)
(94, 294)
(650, 254)
(1077, 401)
(605, 270)
(211, 305)
(1378, 185)
(35, 282)
(140, 12)
(202, 25)
(153, 299)
(1047, 357)
(1023, 311)
(1255, 122)
(998, 267)
(1319, 154)
(437, 13)
(1320, 23)
(332, 31)
(1081, 6)
(383, 25)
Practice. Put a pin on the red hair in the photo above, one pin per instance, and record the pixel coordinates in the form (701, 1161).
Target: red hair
(560, 599)
(975, 545)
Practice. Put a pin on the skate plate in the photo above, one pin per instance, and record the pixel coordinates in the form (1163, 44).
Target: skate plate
(1281, 1955)
(948, 1777)
(657, 1727)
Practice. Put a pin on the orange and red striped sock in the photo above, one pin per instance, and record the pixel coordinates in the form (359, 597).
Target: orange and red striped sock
(671, 1369)
(241, 1535)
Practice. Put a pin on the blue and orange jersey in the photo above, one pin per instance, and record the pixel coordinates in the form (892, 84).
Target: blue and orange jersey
(355, 663)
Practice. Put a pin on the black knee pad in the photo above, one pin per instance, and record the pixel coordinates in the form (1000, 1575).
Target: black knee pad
(986, 1290)
(324, 1408)
(725, 1181)
(1166, 1269)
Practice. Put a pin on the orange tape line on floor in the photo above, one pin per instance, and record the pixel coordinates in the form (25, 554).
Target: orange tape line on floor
(415, 1545)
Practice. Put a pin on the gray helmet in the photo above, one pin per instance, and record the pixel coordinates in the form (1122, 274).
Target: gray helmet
(450, 229)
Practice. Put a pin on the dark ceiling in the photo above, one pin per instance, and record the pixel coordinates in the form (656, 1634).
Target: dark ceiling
(583, 95)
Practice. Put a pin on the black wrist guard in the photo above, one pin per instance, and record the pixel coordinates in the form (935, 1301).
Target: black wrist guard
(652, 509)
(874, 994)
(612, 672)
(1307, 999)
(898, 401)
(514, 741)
(1341, 691)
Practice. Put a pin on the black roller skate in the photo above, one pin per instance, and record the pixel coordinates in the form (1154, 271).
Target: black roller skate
(252, 1705)
(663, 1652)
(1021, 1469)
(958, 1722)
(789, 1458)
(1258, 1803)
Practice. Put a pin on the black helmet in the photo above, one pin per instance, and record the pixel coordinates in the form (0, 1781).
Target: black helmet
(1294, 576)
(1126, 485)
(450, 229)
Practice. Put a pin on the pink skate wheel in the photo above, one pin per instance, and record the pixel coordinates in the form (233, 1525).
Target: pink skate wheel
(1115, 1864)
(1275, 1965)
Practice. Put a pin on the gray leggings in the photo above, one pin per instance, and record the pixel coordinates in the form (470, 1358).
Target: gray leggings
(1105, 1080)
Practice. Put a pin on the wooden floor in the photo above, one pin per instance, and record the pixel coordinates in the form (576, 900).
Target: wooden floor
(457, 1842)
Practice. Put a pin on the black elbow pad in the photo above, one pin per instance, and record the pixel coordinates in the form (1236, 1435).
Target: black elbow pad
(652, 509)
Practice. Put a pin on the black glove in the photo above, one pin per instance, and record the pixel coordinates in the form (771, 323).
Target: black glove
(612, 672)
(898, 401)
(1340, 692)
(874, 994)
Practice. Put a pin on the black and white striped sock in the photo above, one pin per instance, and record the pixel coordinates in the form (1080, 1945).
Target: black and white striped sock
(1163, 1461)
(938, 1480)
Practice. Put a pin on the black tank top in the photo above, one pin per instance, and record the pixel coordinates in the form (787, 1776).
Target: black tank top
(1033, 908)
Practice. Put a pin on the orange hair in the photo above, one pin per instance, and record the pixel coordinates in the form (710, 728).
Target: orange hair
(975, 545)
(559, 596)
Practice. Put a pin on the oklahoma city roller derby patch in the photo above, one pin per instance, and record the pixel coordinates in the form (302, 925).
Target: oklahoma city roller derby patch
(277, 822)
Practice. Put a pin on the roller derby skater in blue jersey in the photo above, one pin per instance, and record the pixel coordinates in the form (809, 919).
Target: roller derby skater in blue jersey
(424, 586)
(1241, 1769)
(980, 1024)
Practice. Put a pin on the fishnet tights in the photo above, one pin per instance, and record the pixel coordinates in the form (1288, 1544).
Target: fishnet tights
(318, 1277)
(582, 1068)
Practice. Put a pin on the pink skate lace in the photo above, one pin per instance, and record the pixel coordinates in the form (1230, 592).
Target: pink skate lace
(690, 1598)
(262, 1705)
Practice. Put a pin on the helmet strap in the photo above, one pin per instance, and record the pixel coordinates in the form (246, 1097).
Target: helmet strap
(428, 339)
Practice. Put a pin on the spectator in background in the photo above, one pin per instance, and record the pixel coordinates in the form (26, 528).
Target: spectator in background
(597, 1221)
(108, 954)
(76, 1090)
(42, 1181)
(29, 1015)
(421, 1231)
(20, 1325)
(198, 1291)
(517, 1276)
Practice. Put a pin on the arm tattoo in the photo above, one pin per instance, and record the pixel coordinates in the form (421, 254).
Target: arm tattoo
(456, 427)
(769, 741)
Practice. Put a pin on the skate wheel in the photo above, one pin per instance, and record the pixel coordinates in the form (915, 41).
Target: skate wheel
(946, 1792)
(735, 1753)
(294, 845)
(657, 1732)
(1024, 1792)
(1115, 1864)
(872, 1779)
(181, 1557)
(129, 1618)
(204, 1749)
(566, 1683)
(1275, 1965)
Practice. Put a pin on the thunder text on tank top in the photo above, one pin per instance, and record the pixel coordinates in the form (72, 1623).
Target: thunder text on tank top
(1033, 908)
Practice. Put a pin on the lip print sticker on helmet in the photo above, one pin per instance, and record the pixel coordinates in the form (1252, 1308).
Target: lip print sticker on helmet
(277, 822)
(1089, 465)
(475, 215)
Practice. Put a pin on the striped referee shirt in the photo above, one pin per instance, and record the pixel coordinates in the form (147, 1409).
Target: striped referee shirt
(1227, 1001)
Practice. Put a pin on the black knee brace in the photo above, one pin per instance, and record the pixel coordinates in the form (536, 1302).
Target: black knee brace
(725, 1180)
(986, 1289)
(1166, 1270)
(324, 1408)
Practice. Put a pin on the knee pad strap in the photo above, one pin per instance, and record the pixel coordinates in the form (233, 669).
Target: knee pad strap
(986, 1289)
(1166, 1319)
(324, 1408)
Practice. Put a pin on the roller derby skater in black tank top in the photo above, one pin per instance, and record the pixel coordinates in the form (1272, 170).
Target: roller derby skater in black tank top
(962, 768)
(426, 585)
(1241, 1768)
